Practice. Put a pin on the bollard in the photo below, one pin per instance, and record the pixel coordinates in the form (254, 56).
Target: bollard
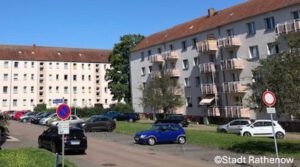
(56, 160)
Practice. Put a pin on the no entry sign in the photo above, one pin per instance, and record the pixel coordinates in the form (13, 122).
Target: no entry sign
(269, 98)
(63, 111)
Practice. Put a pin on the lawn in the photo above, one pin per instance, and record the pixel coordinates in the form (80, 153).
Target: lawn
(231, 142)
(29, 157)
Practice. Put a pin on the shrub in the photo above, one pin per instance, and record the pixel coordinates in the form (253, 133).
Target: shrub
(40, 107)
(121, 107)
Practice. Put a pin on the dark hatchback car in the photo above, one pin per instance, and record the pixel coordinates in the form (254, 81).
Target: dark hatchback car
(37, 118)
(74, 141)
(98, 123)
(174, 118)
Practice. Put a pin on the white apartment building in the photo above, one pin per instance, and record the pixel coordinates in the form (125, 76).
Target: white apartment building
(32, 75)
(212, 56)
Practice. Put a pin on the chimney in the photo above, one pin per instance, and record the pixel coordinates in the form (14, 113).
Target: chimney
(211, 12)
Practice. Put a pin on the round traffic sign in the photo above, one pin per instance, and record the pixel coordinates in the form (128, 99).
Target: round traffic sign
(63, 111)
(269, 98)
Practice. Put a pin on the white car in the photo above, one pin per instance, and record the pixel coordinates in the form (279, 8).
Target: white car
(263, 128)
(43, 121)
(234, 126)
(74, 120)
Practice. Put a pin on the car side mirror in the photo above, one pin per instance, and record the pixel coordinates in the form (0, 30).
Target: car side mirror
(251, 126)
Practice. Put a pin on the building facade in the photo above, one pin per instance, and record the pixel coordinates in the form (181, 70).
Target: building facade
(212, 57)
(32, 75)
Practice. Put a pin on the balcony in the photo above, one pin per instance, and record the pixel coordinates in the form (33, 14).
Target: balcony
(207, 46)
(288, 27)
(213, 112)
(157, 59)
(172, 56)
(207, 67)
(174, 73)
(234, 87)
(155, 74)
(232, 64)
(208, 89)
(229, 42)
(236, 112)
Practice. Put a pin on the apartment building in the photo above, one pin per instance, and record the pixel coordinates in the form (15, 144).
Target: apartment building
(212, 56)
(32, 75)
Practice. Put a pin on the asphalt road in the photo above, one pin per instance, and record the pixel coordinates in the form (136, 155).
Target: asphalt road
(112, 149)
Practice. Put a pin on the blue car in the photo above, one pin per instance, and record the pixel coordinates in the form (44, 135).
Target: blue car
(161, 133)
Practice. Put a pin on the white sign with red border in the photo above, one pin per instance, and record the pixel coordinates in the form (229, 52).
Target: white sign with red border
(269, 98)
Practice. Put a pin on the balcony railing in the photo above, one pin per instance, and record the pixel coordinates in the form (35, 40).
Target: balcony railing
(232, 64)
(207, 46)
(234, 87)
(207, 67)
(213, 111)
(288, 27)
(229, 42)
(236, 112)
(174, 72)
(172, 56)
(208, 89)
(155, 74)
(157, 59)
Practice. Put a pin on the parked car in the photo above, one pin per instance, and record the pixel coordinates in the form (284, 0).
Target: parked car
(98, 123)
(174, 118)
(18, 114)
(161, 133)
(74, 121)
(37, 118)
(28, 116)
(263, 128)
(234, 126)
(112, 115)
(10, 114)
(75, 141)
(44, 120)
(131, 117)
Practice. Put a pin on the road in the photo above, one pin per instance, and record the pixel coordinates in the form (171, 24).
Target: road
(105, 153)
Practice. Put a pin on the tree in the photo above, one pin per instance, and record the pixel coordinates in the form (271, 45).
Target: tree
(119, 74)
(40, 107)
(162, 93)
(281, 74)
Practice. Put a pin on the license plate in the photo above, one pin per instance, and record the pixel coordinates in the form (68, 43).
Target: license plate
(75, 142)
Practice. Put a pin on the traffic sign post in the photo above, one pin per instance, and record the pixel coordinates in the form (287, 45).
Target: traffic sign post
(269, 99)
(63, 112)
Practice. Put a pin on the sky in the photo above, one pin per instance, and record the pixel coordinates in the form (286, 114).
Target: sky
(94, 23)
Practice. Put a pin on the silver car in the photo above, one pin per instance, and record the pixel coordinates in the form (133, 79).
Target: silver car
(234, 126)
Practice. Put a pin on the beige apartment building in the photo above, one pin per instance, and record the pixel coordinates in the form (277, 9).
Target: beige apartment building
(32, 75)
(212, 56)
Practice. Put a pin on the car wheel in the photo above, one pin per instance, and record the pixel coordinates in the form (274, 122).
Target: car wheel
(279, 135)
(130, 120)
(53, 147)
(181, 140)
(151, 141)
(247, 134)
(40, 144)
(223, 131)
(110, 128)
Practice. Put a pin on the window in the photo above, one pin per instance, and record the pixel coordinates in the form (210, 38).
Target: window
(5, 90)
(32, 89)
(50, 89)
(74, 77)
(90, 89)
(24, 102)
(194, 43)
(183, 45)
(185, 64)
(230, 32)
(254, 53)
(50, 65)
(149, 54)
(15, 90)
(251, 28)
(83, 89)
(57, 89)
(150, 69)
(258, 124)
(65, 77)
(65, 66)
(273, 48)
(196, 61)
(83, 77)
(50, 77)
(159, 50)
(197, 81)
(16, 77)
(186, 82)
(75, 90)
(106, 101)
(105, 89)
(232, 54)
(142, 56)
(31, 102)
(57, 77)
(74, 66)
(82, 66)
(189, 102)
(25, 64)
(6, 64)
(296, 15)
(32, 77)
(57, 65)
(4, 103)
(89, 66)
(66, 90)
(25, 89)
(5, 77)
(15, 102)
(16, 64)
(171, 47)
(270, 23)
(212, 58)
(32, 64)
(89, 77)
(143, 71)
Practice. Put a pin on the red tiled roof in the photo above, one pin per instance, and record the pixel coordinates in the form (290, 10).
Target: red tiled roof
(223, 17)
(41, 53)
